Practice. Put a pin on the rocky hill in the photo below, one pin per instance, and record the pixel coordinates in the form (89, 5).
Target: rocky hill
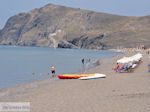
(64, 27)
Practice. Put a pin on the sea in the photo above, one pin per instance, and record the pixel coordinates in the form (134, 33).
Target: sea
(27, 64)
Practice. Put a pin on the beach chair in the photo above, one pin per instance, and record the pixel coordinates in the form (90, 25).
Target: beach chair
(128, 68)
(120, 69)
(134, 66)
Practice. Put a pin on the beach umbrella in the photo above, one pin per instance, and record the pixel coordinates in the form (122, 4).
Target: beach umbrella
(124, 60)
(133, 58)
(136, 57)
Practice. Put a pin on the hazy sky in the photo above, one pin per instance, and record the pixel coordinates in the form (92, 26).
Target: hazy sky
(9, 8)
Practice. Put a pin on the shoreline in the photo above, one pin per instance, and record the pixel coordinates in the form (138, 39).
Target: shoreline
(92, 67)
(91, 64)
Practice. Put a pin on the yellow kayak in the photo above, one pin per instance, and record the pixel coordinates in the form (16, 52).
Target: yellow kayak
(73, 76)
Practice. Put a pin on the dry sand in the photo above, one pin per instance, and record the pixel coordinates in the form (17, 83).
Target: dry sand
(118, 92)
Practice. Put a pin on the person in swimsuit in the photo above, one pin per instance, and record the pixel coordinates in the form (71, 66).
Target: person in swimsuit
(53, 71)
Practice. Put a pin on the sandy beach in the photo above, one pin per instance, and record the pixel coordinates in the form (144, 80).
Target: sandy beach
(118, 92)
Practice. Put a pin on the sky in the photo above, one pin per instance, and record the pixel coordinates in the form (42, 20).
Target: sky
(9, 8)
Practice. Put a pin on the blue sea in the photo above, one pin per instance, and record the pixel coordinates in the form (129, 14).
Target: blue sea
(18, 64)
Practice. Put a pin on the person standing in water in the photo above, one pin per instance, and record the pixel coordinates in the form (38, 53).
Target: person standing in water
(53, 71)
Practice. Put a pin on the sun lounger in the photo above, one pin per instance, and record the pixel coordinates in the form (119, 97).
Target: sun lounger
(126, 68)
(134, 66)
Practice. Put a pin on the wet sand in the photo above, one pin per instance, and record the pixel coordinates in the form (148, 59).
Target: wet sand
(118, 92)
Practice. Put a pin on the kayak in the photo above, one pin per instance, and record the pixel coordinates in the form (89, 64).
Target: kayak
(73, 76)
(96, 76)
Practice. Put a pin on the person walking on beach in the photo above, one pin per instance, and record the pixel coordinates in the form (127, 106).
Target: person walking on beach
(83, 65)
(53, 71)
(117, 67)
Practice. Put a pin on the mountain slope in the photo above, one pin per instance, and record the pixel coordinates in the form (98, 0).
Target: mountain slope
(59, 26)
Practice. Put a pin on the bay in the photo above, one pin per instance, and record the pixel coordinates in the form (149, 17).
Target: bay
(18, 64)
